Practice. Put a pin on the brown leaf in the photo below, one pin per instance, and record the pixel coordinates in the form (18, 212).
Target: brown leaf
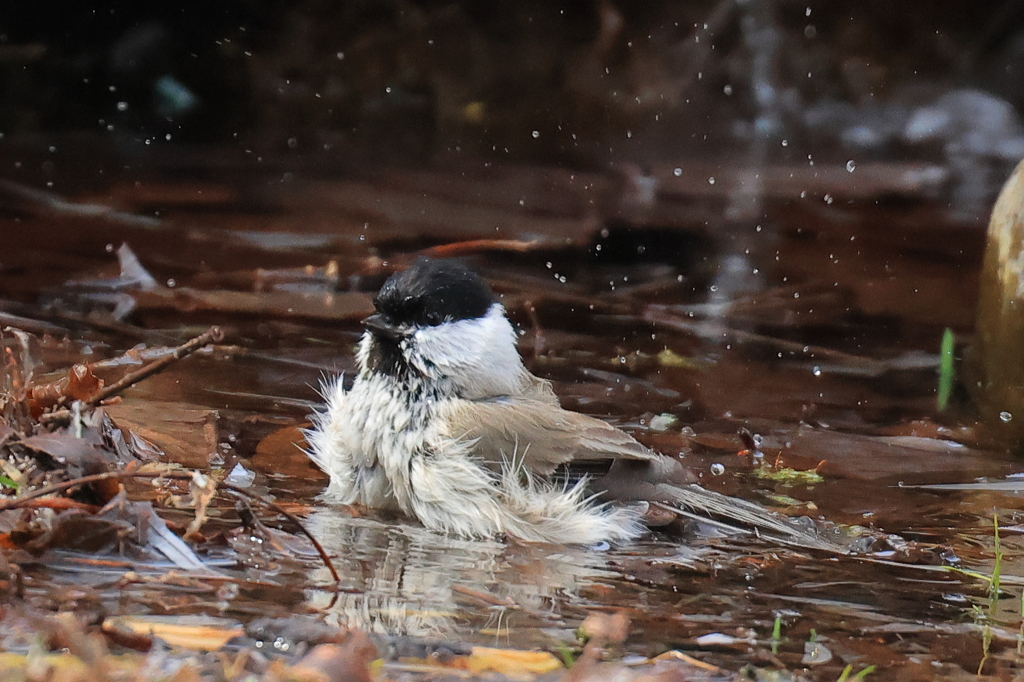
(346, 662)
(606, 628)
(78, 384)
(202, 633)
(185, 434)
(281, 452)
(87, 453)
(75, 529)
(202, 489)
(512, 662)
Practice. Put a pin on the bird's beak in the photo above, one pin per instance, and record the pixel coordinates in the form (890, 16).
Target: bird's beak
(380, 326)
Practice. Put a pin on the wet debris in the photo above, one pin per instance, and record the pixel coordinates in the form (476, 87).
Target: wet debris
(74, 481)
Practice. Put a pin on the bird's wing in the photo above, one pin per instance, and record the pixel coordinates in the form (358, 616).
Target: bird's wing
(538, 432)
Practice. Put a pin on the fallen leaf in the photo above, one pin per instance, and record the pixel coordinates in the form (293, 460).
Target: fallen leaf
(346, 662)
(606, 628)
(202, 633)
(512, 661)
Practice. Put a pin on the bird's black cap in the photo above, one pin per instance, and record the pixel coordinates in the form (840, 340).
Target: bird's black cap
(431, 292)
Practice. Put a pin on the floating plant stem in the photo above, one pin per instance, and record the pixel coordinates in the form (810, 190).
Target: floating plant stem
(1020, 631)
(986, 645)
(947, 371)
(567, 655)
(776, 634)
(867, 670)
(997, 567)
(845, 676)
(993, 595)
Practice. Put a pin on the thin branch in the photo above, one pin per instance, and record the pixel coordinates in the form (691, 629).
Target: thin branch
(212, 335)
(39, 200)
(660, 317)
(463, 248)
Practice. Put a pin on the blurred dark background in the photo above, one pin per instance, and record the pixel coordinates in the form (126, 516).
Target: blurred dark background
(582, 82)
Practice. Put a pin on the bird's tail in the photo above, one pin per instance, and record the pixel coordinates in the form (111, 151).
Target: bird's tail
(736, 515)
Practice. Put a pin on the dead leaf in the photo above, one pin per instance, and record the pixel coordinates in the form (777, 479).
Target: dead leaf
(606, 628)
(184, 434)
(202, 633)
(346, 662)
(512, 662)
(281, 453)
(202, 489)
(78, 384)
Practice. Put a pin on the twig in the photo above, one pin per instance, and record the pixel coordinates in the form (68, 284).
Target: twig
(659, 317)
(29, 325)
(60, 504)
(212, 335)
(470, 246)
(41, 200)
(20, 501)
(486, 597)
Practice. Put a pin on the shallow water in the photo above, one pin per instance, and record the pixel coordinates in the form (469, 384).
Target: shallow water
(827, 354)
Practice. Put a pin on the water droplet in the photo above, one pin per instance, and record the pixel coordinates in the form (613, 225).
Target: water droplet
(727, 89)
(851, 166)
(678, 172)
(816, 371)
(293, 142)
(122, 106)
(785, 143)
(711, 180)
(717, 469)
(171, 283)
(1005, 417)
(535, 134)
(828, 199)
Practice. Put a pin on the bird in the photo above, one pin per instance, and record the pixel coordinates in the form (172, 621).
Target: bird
(444, 423)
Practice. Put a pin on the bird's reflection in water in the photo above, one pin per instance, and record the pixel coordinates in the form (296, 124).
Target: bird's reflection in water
(409, 581)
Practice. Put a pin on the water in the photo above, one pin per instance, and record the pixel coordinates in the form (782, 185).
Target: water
(830, 361)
